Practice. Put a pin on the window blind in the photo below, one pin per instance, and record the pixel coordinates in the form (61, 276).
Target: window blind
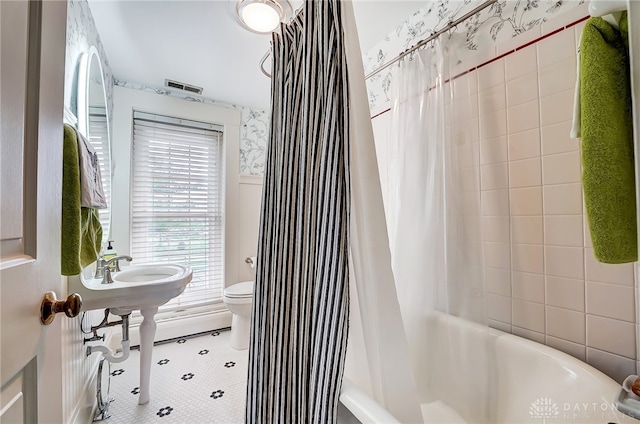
(177, 203)
(99, 139)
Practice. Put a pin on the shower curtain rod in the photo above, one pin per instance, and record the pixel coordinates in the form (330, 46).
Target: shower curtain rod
(407, 52)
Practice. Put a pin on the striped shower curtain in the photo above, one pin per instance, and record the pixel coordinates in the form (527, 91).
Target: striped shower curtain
(301, 299)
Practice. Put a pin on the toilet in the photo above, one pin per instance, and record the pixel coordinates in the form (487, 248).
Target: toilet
(238, 298)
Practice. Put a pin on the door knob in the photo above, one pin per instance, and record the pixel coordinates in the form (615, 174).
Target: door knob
(51, 306)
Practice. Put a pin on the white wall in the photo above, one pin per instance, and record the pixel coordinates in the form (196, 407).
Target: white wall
(243, 194)
(249, 210)
(80, 371)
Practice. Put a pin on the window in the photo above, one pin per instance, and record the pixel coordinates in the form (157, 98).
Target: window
(177, 202)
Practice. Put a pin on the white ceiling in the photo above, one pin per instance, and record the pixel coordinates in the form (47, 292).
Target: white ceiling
(200, 43)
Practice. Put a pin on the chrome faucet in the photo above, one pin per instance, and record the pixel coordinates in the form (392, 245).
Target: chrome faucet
(106, 267)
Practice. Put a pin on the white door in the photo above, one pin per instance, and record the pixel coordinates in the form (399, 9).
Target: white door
(31, 99)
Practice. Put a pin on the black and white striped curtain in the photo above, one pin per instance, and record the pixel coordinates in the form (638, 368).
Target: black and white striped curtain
(301, 298)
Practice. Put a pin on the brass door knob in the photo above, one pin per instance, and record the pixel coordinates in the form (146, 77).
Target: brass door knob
(51, 306)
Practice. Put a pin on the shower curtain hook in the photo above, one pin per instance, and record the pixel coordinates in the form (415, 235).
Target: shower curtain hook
(452, 29)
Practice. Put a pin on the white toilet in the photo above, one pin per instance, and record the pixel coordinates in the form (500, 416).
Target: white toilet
(238, 298)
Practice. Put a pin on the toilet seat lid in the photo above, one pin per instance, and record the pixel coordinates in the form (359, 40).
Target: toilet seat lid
(243, 289)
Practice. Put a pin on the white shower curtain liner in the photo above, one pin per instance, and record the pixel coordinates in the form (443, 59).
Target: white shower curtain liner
(376, 324)
(434, 221)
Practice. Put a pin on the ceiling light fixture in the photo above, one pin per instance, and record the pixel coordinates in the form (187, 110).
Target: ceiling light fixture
(261, 16)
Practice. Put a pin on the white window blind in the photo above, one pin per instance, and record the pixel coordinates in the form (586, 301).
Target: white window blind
(177, 202)
(99, 139)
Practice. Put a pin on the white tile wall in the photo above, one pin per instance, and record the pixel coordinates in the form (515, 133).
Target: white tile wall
(498, 281)
(558, 78)
(557, 107)
(528, 315)
(496, 228)
(566, 324)
(565, 293)
(528, 258)
(493, 151)
(527, 229)
(490, 75)
(523, 117)
(491, 100)
(556, 48)
(521, 63)
(524, 145)
(607, 273)
(499, 307)
(565, 262)
(532, 335)
(617, 367)
(555, 139)
(495, 177)
(527, 286)
(496, 255)
(610, 335)
(526, 201)
(573, 349)
(525, 173)
(561, 168)
(542, 280)
(611, 301)
(493, 125)
(563, 199)
(496, 202)
(522, 90)
(563, 230)
(502, 326)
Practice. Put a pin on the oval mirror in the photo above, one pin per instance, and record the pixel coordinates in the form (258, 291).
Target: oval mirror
(93, 123)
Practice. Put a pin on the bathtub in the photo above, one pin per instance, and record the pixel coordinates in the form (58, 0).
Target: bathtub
(505, 379)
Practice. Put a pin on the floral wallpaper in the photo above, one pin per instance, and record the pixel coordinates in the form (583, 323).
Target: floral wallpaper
(81, 35)
(499, 22)
(254, 133)
(503, 20)
(254, 126)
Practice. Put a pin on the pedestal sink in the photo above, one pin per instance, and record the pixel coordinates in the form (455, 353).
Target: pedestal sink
(143, 288)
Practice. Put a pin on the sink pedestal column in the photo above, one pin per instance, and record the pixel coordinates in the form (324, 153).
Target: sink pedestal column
(147, 334)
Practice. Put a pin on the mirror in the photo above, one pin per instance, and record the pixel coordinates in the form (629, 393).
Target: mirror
(93, 123)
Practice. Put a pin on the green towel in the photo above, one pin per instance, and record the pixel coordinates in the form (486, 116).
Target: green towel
(81, 229)
(607, 141)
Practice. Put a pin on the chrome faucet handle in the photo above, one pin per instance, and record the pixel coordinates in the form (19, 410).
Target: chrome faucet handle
(99, 268)
(107, 276)
(115, 261)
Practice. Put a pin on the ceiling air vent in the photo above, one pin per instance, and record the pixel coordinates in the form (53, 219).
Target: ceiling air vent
(182, 86)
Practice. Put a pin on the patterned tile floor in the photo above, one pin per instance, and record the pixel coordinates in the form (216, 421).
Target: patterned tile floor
(194, 380)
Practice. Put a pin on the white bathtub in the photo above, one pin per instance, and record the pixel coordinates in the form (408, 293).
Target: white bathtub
(504, 379)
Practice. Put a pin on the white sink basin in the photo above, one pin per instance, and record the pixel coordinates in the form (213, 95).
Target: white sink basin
(145, 274)
(134, 288)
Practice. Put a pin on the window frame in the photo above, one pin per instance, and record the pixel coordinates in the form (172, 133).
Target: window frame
(145, 122)
(126, 99)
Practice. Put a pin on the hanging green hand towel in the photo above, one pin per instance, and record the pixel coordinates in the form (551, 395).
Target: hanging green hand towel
(607, 141)
(81, 230)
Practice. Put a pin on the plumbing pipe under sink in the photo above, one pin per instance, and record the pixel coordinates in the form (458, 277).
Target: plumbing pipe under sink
(107, 352)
